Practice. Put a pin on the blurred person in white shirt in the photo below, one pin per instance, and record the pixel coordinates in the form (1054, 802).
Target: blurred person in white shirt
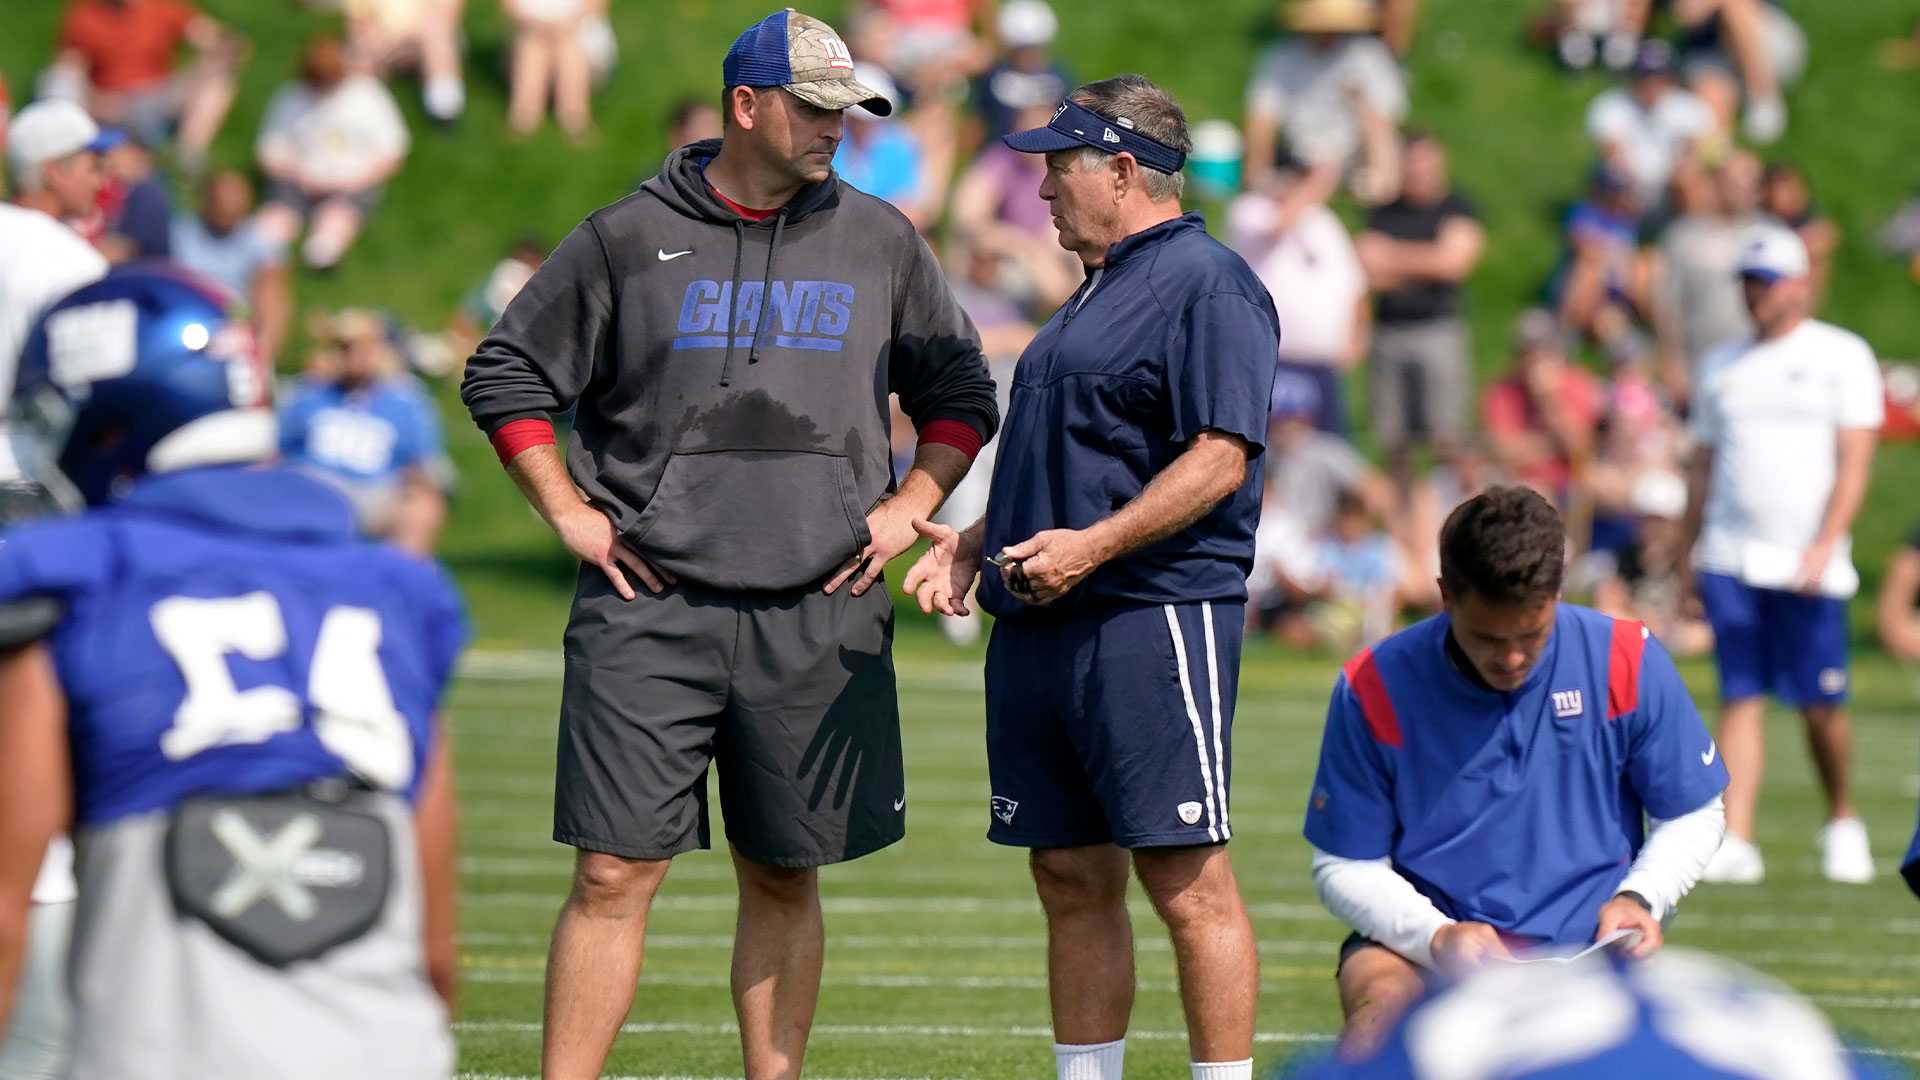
(1784, 426)
(329, 143)
(1333, 92)
(52, 157)
(1650, 125)
(1698, 304)
(1319, 290)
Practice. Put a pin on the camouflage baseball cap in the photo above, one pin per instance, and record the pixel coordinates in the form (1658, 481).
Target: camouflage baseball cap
(803, 55)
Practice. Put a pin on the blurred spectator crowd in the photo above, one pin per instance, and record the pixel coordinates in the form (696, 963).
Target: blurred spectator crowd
(1589, 407)
(115, 146)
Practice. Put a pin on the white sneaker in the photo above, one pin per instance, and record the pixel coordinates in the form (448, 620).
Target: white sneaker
(1844, 854)
(1765, 119)
(1737, 862)
(962, 630)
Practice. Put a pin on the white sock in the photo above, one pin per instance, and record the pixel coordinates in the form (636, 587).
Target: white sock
(1223, 1070)
(1090, 1061)
(445, 97)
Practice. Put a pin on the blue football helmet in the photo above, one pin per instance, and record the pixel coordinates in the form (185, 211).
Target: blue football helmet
(1681, 1014)
(146, 370)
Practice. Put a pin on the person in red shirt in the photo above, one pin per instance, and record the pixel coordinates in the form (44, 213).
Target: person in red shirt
(1540, 419)
(122, 57)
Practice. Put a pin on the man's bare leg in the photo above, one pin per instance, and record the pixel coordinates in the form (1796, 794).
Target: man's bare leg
(1830, 738)
(1743, 743)
(1377, 985)
(1090, 977)
(595, 960)
(1194, 891)
(779, 943)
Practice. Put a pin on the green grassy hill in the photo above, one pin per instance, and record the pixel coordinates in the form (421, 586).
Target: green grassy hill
(1513, 120)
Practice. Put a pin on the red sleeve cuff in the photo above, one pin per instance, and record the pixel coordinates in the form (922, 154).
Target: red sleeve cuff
(519, 435)
(955, 433)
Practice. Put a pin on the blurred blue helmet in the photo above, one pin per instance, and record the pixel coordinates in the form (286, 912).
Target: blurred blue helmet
(146, 370)
(1680, 1015)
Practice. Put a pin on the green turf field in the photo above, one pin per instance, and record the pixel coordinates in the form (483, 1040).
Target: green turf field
(935, 958)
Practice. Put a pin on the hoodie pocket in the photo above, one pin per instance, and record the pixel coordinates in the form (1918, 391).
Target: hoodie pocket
(752, 520)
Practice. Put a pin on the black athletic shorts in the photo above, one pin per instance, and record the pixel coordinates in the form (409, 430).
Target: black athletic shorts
(791, 695)
(1357, 941)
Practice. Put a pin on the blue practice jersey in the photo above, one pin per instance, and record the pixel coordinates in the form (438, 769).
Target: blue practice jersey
(1174, 336)
(224, 632)
(369, 435)
(1522, 810)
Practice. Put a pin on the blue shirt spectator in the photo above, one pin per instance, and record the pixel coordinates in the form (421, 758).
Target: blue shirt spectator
(882, 159)
(225, 244)
(356, 421)
(233, 258)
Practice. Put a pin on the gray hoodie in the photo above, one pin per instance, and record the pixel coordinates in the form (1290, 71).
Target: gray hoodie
(741, 456)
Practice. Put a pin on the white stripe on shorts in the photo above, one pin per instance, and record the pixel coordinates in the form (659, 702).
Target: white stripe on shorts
(1193, 716)
(1219, 747)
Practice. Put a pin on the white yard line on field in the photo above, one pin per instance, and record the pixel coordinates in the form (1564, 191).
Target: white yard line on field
(1327, 947)
(1308, 946)
(875, 905)
(881, 1031)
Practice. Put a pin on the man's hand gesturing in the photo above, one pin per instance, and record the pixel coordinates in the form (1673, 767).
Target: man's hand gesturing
(941, 578)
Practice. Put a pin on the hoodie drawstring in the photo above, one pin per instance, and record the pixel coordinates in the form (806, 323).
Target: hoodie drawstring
(733, 299)
(766, 287)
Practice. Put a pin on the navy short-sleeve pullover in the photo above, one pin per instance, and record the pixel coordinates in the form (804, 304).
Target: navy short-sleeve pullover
(1173, 336)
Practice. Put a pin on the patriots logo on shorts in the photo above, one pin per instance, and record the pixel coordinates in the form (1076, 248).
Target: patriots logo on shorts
(1003, 808)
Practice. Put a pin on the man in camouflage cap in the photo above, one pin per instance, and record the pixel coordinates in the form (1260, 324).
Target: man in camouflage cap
(729, 336)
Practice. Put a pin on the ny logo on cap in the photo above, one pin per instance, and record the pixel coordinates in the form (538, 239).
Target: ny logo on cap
(838, 55)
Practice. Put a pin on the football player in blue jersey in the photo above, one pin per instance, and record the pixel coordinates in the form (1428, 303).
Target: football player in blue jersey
(232, 707)
(1485, 775)
(1682, 1015)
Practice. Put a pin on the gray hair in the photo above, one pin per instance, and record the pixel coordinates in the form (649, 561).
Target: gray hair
(1134, 100)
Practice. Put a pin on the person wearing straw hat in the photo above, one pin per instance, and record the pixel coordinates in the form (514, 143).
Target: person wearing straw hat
(1333, 94)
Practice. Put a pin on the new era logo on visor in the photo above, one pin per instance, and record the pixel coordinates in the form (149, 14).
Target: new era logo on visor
(1109, 136)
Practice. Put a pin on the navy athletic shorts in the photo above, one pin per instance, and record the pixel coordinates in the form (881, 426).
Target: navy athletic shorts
(1112, 725)
(1765, 641)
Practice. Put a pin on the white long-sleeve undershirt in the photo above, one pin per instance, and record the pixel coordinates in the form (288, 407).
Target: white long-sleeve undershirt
(1372, 897)
(1676, 853)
